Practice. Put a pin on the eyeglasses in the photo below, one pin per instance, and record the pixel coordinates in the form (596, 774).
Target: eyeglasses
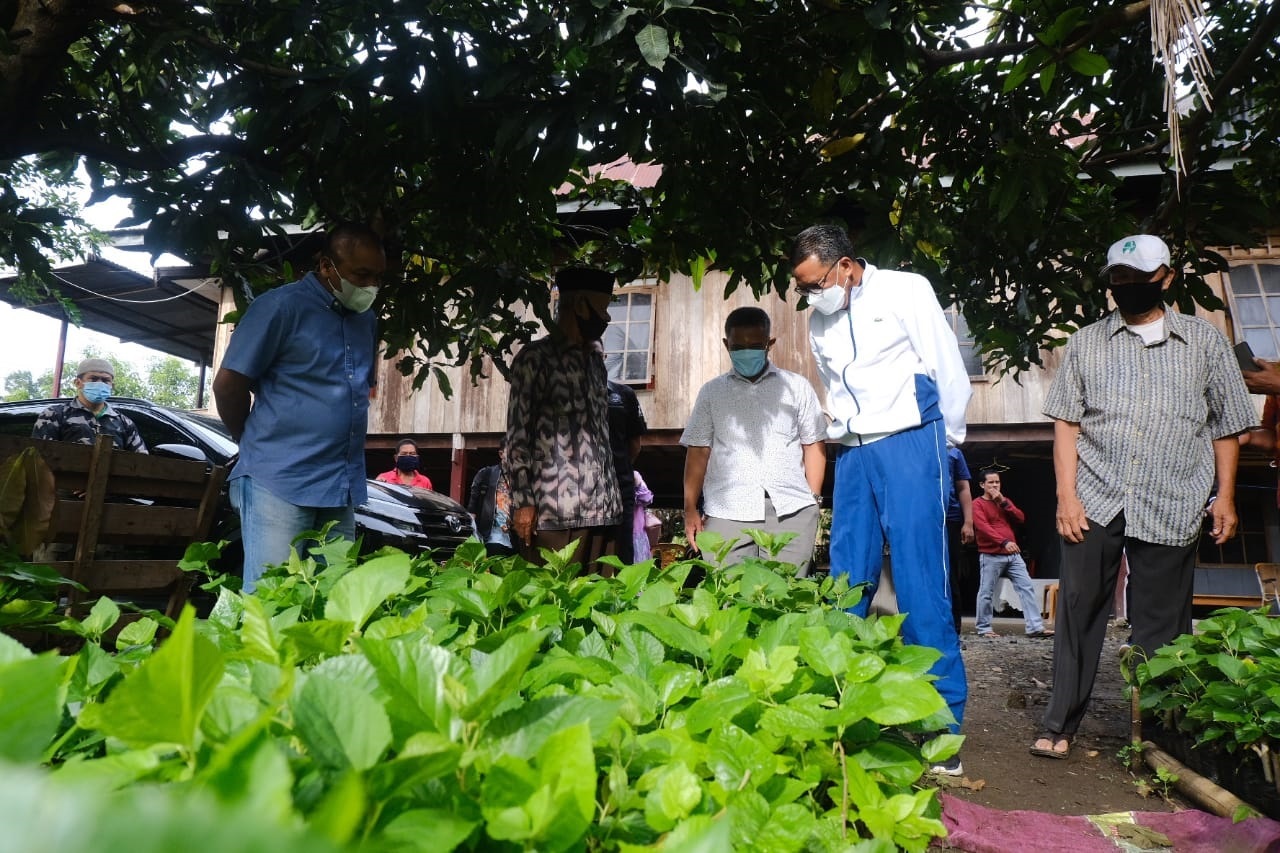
(816, 287)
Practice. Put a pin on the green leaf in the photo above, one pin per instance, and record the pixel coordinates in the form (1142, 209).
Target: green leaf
(256, 772)
(498, 675)
(676, 793)
(162, 701)
(670, 631)
(427, 831)
(1088, 63)
(654, 45)
(425, 756)
(32, 695)
(827, 652)
(342, 810)
(767, 675)
(721, 700)
(1230, 666)
(941, 747)
(257, 635)
(616, 24)
(524, 730)
(139, 633)
(102, 616)
(321, 637)
(797, 723)
(11, 650)
(362, 590)
(27, 499)
(566, 764)
(414, 675)
(559, 666)
(788, 827)
(739, 760)
(341, 725)
(1046, 77)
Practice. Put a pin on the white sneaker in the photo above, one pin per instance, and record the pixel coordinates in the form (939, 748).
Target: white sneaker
(949, 767)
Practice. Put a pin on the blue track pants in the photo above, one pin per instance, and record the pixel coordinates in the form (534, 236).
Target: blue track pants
(896, 489)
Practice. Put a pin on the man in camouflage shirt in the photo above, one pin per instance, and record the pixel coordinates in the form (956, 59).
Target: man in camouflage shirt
(88, 415)
(559, 462)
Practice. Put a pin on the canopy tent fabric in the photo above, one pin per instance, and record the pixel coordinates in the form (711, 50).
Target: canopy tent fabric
(174, 312)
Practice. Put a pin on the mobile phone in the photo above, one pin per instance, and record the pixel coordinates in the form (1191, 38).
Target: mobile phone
(1244, 355)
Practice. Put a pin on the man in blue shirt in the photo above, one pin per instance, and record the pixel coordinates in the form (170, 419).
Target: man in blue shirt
(306, 352)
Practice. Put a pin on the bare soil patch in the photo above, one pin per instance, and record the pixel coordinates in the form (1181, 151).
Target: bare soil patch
(1009, 681)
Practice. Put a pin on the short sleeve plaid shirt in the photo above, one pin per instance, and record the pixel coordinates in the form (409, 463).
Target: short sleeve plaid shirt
(1148, 416)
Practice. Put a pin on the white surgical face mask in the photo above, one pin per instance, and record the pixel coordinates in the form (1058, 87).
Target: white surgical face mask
(355, 298)
(829, 301)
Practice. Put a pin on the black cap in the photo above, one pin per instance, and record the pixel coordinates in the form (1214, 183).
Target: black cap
(584, 278)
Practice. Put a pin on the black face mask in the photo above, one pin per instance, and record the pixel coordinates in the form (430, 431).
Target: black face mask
(406, 463)
(592, 326)
(1136, 299)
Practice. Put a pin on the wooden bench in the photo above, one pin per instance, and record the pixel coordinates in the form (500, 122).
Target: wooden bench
(94, 486)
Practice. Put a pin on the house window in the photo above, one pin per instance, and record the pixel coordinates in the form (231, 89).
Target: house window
(1255, 307)
(968, 346)
(628, 342)
(1247, 547)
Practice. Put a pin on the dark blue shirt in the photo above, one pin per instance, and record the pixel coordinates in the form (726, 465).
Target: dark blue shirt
(312, 363)
(959, 471)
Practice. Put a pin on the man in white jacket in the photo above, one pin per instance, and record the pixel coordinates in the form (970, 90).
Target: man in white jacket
(897, 390)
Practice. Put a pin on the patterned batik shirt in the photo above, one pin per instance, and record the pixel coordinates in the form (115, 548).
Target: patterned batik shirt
(71, 421)
(558, 455)
(1148, 417)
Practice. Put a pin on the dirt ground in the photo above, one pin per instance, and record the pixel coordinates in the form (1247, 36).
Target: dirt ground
(1008, 689)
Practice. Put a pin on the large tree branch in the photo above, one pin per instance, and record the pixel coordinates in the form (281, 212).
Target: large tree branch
(159, 159)
(1119, 18)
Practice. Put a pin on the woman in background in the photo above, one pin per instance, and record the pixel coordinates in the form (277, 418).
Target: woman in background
(406, 471)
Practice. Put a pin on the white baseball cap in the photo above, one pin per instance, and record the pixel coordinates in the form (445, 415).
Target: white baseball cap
(1138, 251)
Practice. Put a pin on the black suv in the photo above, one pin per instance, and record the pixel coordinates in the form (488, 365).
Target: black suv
(413, 520)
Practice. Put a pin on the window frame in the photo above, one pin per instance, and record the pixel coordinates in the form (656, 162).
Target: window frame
(643, 287)
(1239, 330)
(955, 317)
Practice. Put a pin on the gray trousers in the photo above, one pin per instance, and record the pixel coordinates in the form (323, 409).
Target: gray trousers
(799, 551)
(1160, 581)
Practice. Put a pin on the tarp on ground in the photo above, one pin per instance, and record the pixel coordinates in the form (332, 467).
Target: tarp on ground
(979, 829)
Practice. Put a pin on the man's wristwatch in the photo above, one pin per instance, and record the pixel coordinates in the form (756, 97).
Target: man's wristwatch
(817, 496)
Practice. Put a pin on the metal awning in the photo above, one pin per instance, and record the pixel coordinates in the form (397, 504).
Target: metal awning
(174, 312)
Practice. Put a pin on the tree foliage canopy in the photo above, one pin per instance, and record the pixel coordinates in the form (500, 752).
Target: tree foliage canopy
(993, 154)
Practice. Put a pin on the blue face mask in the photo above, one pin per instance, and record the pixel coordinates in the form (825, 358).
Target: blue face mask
(96, 392)
(749, 362)
(407, 463)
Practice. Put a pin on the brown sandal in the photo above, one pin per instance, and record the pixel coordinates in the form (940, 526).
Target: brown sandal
(1052, 751)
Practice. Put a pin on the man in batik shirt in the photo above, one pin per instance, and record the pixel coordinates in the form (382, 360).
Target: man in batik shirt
(559, 462)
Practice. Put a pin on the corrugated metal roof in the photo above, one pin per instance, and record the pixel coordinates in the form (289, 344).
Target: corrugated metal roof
(173, 315)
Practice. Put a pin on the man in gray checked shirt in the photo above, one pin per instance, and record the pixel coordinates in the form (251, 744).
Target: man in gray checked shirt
(1146, 407)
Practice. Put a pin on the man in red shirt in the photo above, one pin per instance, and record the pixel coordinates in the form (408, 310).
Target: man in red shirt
(999, 555)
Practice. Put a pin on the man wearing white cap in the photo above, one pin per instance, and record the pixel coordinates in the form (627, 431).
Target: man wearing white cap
(88, 415)
(1146, 407)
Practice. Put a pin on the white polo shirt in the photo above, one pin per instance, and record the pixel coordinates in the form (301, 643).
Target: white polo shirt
(756, 431)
